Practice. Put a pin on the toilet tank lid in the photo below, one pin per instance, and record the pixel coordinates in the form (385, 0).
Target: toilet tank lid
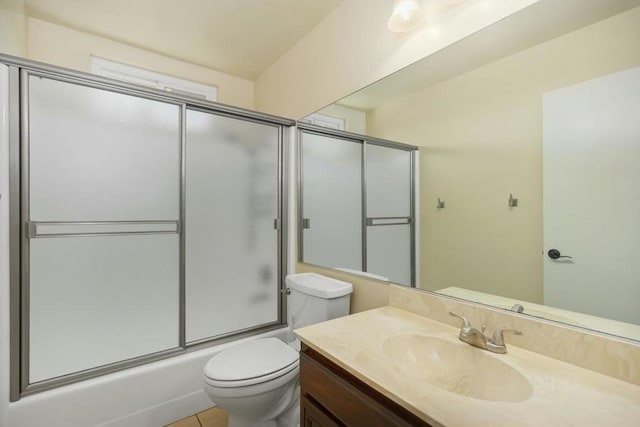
(318, 285)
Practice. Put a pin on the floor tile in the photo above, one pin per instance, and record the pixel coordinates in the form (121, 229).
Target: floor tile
(191, 421)
(214, 417)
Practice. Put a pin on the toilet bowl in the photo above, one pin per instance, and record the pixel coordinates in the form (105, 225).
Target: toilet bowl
(257, 381)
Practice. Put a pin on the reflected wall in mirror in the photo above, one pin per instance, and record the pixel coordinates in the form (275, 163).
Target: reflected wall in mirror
(481, 112)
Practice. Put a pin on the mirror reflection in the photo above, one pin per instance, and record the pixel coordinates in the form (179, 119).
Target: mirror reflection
(528, 195)
(357, 204)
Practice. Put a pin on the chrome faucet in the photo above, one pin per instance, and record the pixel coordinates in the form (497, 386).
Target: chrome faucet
(477, 338)
(518, 308)
(471, 335)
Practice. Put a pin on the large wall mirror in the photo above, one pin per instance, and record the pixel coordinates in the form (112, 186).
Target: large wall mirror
(528, 136)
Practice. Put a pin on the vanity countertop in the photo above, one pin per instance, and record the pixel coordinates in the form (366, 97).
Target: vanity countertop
(561, 395)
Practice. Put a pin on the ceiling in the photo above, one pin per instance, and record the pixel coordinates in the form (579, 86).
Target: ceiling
(238, 37)
(540, 22)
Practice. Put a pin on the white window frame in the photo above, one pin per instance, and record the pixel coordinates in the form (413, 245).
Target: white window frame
(325, 120)
(138, 76)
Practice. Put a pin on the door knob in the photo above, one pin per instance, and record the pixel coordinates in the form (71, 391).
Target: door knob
(555, 254)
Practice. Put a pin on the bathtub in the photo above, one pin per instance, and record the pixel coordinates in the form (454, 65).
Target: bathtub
(152, 395)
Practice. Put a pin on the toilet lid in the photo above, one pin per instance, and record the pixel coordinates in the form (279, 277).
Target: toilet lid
(265, 357)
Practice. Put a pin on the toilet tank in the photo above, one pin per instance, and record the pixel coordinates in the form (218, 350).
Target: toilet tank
(315, 298)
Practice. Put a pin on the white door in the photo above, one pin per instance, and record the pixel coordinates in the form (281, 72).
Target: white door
(591, 173)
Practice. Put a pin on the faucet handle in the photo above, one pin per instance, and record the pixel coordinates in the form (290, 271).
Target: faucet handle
(498, 338)
(465, 322)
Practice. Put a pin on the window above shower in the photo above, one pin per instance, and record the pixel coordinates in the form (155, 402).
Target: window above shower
(150, 79)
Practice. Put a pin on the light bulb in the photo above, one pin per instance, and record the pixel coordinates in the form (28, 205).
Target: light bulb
(407, 15)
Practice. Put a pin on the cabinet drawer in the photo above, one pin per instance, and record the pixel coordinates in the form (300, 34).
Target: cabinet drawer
(348, 399)
(314, 416)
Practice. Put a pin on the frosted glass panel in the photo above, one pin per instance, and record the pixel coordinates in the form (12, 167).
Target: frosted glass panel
(97, 155)
(388, 181)
(332, 201)
(389, 252)
(231, 244)
(99, 300)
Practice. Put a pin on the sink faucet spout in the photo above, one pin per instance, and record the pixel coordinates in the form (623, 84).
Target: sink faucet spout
(469, 334)
(477, 338)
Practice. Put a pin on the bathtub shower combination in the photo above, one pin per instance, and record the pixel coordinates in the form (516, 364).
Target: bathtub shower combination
(146, 222)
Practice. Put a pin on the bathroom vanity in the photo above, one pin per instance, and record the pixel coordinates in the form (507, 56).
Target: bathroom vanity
(390, 367)
(331, 396)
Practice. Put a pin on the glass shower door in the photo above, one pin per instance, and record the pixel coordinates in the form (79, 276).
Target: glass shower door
(101, 175)
(331, 201)
(231, 240)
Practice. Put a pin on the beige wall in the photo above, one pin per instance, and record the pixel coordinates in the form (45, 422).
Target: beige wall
(68, 48)
(13, 28)
(481, 135)
(351, 49)
(367, 294)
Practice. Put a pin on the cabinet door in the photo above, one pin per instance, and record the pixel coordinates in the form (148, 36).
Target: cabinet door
(349, 401)
(313, 416)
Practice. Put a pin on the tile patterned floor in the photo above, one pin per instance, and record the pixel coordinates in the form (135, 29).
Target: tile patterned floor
(213, 417)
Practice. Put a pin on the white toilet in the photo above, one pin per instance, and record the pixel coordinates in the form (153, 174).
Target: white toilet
(257, 381)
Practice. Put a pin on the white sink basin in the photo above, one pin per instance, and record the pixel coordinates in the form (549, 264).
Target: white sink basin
(457, 368)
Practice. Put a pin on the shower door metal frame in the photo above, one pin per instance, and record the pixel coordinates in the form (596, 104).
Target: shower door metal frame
(15, 309)
(282, 210)
(366, 221)
(27, 227)
(20, 228)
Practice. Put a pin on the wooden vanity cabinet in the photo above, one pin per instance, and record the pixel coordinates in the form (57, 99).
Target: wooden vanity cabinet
(331, 396)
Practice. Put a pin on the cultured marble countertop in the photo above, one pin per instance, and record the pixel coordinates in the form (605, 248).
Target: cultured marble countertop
(562, 394)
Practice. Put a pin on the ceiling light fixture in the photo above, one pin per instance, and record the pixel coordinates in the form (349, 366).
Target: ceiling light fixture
(407, 15)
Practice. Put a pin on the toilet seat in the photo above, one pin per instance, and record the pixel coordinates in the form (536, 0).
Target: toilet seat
(250, 363)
